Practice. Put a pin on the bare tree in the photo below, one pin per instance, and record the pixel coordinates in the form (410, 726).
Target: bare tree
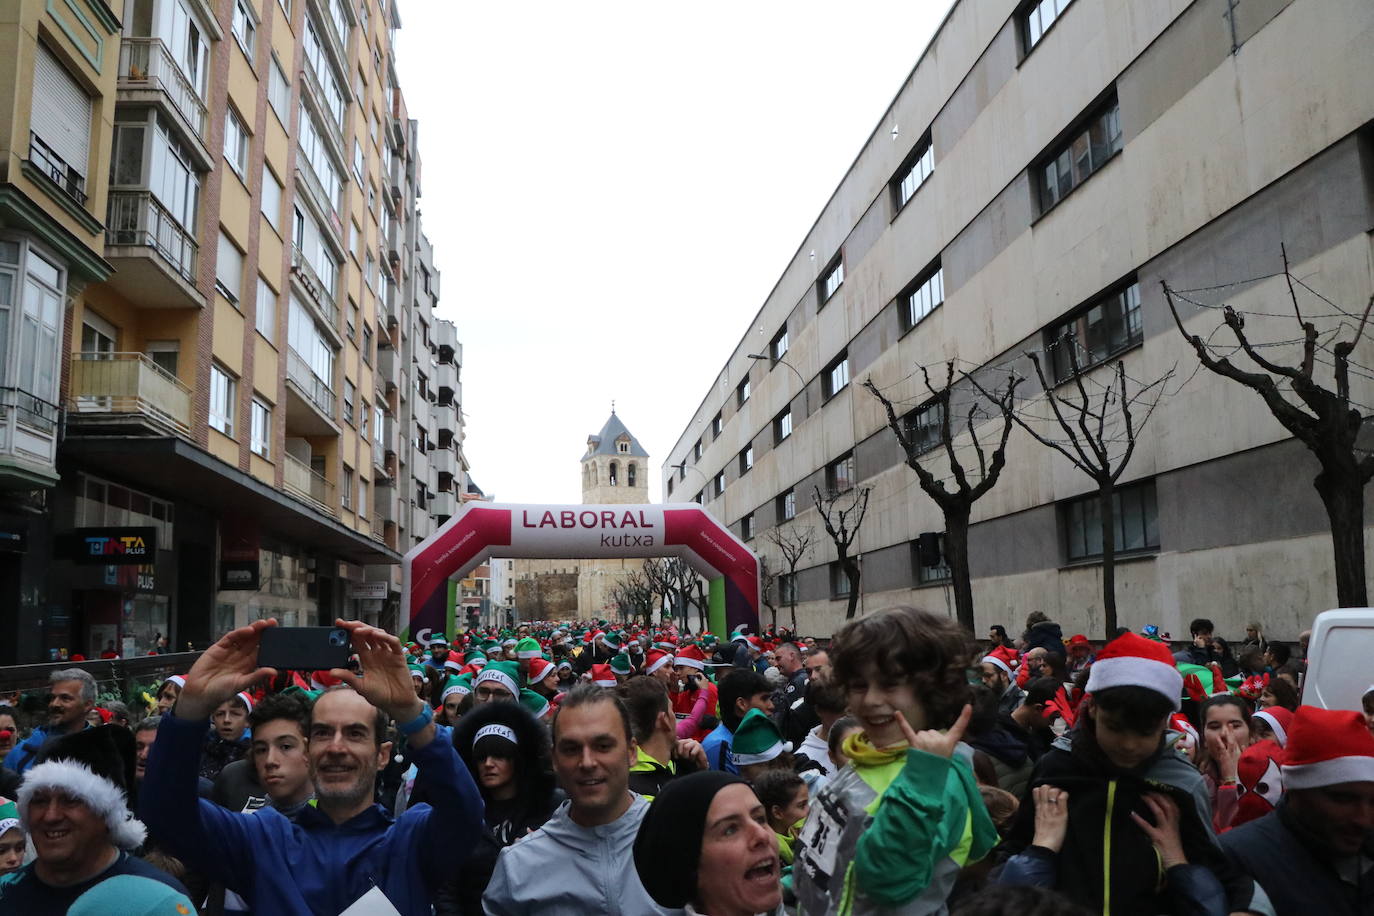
(680, 585)
(842, 523)
(767, 580)
(793, 544)
(1325, 420)
(956, 502)
(1100, 432)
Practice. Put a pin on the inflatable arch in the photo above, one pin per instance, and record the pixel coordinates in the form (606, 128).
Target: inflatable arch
(481, 530)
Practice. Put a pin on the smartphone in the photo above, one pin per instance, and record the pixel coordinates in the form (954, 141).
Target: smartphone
(304, 648)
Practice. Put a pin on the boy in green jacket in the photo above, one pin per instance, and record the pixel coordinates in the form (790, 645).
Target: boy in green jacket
(890, 832)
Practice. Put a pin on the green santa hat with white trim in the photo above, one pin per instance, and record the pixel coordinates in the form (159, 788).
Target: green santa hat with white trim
(461, 685)
(620, 664)
(535, 703)
(757, 740)
(9, 817)
(528, 648)
(507, 674)
(613, 641)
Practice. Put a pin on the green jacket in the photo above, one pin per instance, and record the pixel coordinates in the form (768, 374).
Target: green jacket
(889, 834)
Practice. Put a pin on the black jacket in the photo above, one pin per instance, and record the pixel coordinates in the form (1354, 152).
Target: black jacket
(1048, 636)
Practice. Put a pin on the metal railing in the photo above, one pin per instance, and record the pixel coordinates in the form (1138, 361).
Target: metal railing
(146, 63)
(378, 452)
(314, 387)
(308, 486)
(29, 410)
(138, 218)
(72, 183)
(321, 294)
(113, 676)
(129, 383)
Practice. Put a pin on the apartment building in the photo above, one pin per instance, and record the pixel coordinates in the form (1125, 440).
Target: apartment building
(238, 277)
(1044, 167)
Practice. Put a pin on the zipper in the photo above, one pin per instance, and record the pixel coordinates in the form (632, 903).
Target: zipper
(1107, 849)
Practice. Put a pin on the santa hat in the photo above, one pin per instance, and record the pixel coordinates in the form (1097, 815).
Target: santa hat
(656, 659)
(454, 662)
(1327, 747)
(178, 679)
(1260, 775)
(503, 673)
(535, 703)
(96, 766)
(461, 685)
(603, 676)
(691, 657)
(416, 671)
(1134, 661)
(246, 699)
(9, 816)
(1003, 657)
(620, 664)
(438, 641)
(757, 740)
(1187, 734)
(1279, 721)
(528, 648)
(540, 668)
(613, 641)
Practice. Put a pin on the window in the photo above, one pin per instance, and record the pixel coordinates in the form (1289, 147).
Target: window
(1137, 522)
(279, 92)
(623, 447)
(787, 588)
(1087, 150)
(362, 497)
(369, 268)
(922, 298)
(631, 472)
(836, 376)
(922, 426)
(367, 343)
(265, 320)
(913, 173)
(39, 326)
(229, 269)
(839, 474)
(245, 27)
(742, 392)
(271, 199)
(717, 424)
(785, 506)
(746, 527)
(839, 582)
(746, 459)
(359, 163)
(700, 498)
(351, 320)
(613, 475)
(782, 425)
(346, 487)
(330, 95)
(364, 418)
(832, 278)
(719, 484)
(928, 559)
(777, 347)
(350, 392)
(696, 451)
(1096, 333)
(165, 354)
(1038, 18)
(261, 435)
(60, 125)
(236, 143)
(319, 163)
(670, 486)
(221, 400)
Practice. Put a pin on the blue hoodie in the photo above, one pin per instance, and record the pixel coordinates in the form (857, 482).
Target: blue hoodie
(311, 865)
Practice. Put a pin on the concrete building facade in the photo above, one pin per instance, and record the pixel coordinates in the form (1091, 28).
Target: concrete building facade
(226, 367)
(1045, 166)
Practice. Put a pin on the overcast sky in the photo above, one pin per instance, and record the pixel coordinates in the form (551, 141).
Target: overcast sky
(612, 188)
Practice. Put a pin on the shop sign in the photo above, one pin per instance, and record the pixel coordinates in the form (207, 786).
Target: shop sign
(118, 546)
(368, 591)
(240, 575)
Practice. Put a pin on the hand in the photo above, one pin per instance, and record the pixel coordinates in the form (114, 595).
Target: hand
(1226, 751)
(687, 749)
(222, 670)
(934, 741)
(385, 681)
(1163, 833)
(1051, 816)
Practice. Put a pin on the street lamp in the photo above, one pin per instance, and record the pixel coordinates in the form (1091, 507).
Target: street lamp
(682, 466)
(806, 400)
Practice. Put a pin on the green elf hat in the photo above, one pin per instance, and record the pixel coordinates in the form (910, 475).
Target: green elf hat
(535, 703)
(620, 664)
(507, 674)
(9, 817)
(134, 895)
(416, 671)
(438, 641)
(461, 685)
(528, 648)
(757, 740)
(613, 641)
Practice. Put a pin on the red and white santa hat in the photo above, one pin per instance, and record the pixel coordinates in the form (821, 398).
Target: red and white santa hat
(1327, 747)
(691, 657)
(656, 659)
(1134, 661)
(540, 668)
(246, 698)
(1003, 657)
(602, 676)
(1279, 721)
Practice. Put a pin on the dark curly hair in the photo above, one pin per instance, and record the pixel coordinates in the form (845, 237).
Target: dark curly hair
(905, 644)
(533, 759)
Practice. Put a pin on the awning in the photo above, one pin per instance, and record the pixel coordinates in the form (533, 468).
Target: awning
(172, 467)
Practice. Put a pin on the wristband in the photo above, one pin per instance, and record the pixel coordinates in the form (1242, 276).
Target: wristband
(425, 717)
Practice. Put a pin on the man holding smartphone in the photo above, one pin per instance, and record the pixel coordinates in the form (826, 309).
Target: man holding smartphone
(332, 853)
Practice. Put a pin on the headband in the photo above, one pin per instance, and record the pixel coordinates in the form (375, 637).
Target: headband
(499, 731)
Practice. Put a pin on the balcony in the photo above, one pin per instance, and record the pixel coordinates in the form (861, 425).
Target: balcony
(389, 434)
(420, 469)
(397, 173)
(446, 376)
(54, 168)
(384, 503)
(128, 391)
(378, 453)
(154, 256)
(444, 460)
(307, 486)
(321, 294)
(310, 399)
(28, 440)
(394, 239)
(149, 73)
(443, 505)
(388, 366)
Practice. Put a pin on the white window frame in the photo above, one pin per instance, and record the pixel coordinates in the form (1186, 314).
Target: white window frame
(279, 92)
(233, 293)
(272, 193)
(833, 280)
(236, 143)
(924, 299)
(244, 25)
(222, 399)
(265, 317)
(260, 439)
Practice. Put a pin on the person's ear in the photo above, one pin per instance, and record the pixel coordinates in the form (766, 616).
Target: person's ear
(383, 754)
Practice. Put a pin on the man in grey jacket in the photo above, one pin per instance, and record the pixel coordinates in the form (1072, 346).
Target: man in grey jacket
(582, 859)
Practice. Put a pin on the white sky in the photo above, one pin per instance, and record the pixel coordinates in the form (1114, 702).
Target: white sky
(612, 188)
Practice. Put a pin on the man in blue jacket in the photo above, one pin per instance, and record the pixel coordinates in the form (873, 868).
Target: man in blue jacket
(71, 696)
(332, 854)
